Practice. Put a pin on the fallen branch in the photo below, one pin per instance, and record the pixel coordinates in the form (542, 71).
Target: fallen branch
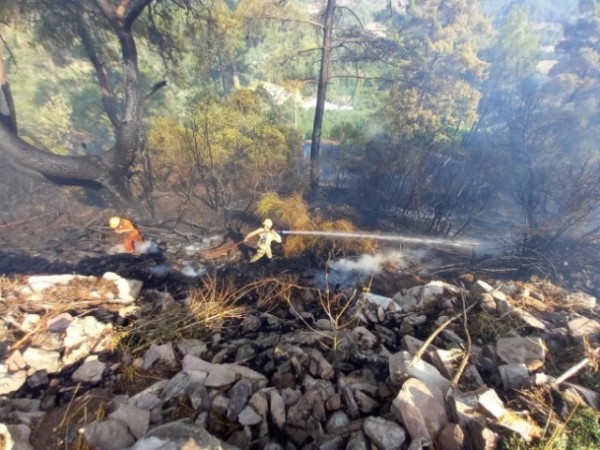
(419, 354)
(467, 353)
(572, 371)
(21, 222)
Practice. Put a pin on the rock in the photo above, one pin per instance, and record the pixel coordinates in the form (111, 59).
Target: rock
(149, 397)
(128, 290)
(529, 319)
(408, 301)
(84, 336)
(12, 381)
(194, 347)
(277, 409)
(180, 435)
(60, 322)
(338, 420)
(15, 437)
(385, 434)
(513, 375)
(108, 435)
(490, 403)
(421, 408)
(364, 338)
(38, 379)
(136, 419)
(249, 417)
(452, 437)
(41, 282)
(15, 361)
(39, 359)
(400, 366)
(357, 441)
(481, 287)
(177, 386)
(238, 398)
(482, 438)
(198, 395)
(219, 404)
(90, 371)
(220, 376)
(530, 351)
(155, 353)
(582, 327)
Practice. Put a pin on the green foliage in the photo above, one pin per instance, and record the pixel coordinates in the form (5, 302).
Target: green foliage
(225, 146)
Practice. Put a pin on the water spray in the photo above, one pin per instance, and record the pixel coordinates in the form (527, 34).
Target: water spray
(384, 237)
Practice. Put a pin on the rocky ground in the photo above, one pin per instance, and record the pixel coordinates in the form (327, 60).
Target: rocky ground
(173, 350)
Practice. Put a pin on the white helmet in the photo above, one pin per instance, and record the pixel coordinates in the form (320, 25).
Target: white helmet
(267, 223)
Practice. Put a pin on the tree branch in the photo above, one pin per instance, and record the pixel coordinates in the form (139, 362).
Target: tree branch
(135, 11)
(155, 88)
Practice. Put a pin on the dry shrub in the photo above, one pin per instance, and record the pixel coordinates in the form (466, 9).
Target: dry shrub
(292, 212)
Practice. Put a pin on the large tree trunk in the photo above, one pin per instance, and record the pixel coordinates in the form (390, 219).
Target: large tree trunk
(315, 144)
(108, 172)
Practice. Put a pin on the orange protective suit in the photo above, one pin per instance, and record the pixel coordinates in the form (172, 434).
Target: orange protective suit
(132, 234)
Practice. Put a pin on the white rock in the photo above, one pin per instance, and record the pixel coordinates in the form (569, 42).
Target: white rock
(128, 290)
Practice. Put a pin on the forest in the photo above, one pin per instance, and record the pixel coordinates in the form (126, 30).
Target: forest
(425, 116)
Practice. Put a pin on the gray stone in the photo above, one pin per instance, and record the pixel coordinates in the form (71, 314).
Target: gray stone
(136, 419)
(177, 386)
(15, 437)
(108, 435)
(90, 371)
(357, 441)
(385, 434)
(249, 417)
(220, 376)
(421, 408)
(277, 408)
(399, 364)
(199, 397)
(481, 287)
(180, 435)
(259, 403)
(238, 398)
(194, 347)
(60, 322)
(162, 353)
(513, 375)
(530, 351)
(38, 379)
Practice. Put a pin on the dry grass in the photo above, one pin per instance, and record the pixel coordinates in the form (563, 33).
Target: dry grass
(207, 310)
(489, 328)
(580, 430)
(292, 212)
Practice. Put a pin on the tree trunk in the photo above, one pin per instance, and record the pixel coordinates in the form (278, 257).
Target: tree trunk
(108, 172)
(315, 144)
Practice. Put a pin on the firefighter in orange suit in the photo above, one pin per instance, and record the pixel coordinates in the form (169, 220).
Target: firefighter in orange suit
(122, 226)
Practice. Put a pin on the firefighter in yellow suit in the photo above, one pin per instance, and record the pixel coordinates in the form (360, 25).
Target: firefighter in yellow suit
(266, 235)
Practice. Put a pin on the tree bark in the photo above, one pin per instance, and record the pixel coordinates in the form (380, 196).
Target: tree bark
(315, 144)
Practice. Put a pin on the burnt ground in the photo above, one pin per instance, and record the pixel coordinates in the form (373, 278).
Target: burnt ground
(77, 240)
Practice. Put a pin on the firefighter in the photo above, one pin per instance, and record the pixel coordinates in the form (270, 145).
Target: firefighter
(266, 235)
(121, 226)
